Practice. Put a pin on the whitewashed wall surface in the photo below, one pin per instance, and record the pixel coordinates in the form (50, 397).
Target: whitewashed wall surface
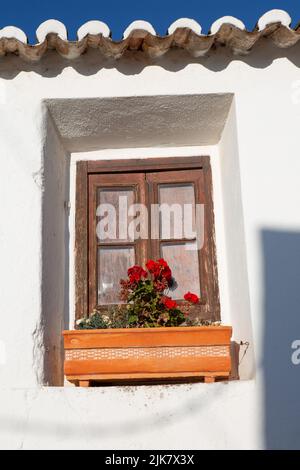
(150, 99)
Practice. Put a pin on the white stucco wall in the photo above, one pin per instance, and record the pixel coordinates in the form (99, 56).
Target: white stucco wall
(255, 168)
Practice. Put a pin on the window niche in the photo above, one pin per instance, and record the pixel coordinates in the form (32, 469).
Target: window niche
(66, 135)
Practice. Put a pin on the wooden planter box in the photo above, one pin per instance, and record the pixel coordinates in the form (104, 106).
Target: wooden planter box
(147, 353)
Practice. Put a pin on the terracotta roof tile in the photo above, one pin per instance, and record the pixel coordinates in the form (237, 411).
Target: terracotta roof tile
(140, 36)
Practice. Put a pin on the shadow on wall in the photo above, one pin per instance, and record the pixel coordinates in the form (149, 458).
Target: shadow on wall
(281, 251)
(55, 257)
(134, 62)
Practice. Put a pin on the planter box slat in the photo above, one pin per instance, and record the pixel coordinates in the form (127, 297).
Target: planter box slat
(131, 366)
(144, 376)
(139, 337)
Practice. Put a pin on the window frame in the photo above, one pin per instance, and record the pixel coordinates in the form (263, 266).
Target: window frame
(210, 303)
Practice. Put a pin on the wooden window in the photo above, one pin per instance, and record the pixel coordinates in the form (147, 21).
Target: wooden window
(101, 263)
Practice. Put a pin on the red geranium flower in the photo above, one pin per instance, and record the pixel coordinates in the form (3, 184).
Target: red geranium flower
(168, 302)
(135, 273)
(162, 262)
(134, 278)
(165, 270)
(166, 273)
(137, 270)
(152, 266)
(159, 269)
(193, 298)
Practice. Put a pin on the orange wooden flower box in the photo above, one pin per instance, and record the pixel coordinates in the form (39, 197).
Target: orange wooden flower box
(147, 353)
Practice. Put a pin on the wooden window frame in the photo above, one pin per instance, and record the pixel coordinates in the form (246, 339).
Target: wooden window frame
(210, 303)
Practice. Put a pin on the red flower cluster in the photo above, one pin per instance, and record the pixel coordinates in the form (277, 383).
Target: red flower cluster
(135, 274)
(145, 292)
(193, 298)
(159, 269)
(168, 302)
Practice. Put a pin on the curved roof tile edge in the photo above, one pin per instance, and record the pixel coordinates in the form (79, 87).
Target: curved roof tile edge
(184, 33)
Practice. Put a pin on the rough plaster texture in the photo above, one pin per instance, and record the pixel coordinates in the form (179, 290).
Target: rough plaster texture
(155, 417)
(140, 121)
(255, 170)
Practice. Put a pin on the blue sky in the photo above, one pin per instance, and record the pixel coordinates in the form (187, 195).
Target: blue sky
(28, 14)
